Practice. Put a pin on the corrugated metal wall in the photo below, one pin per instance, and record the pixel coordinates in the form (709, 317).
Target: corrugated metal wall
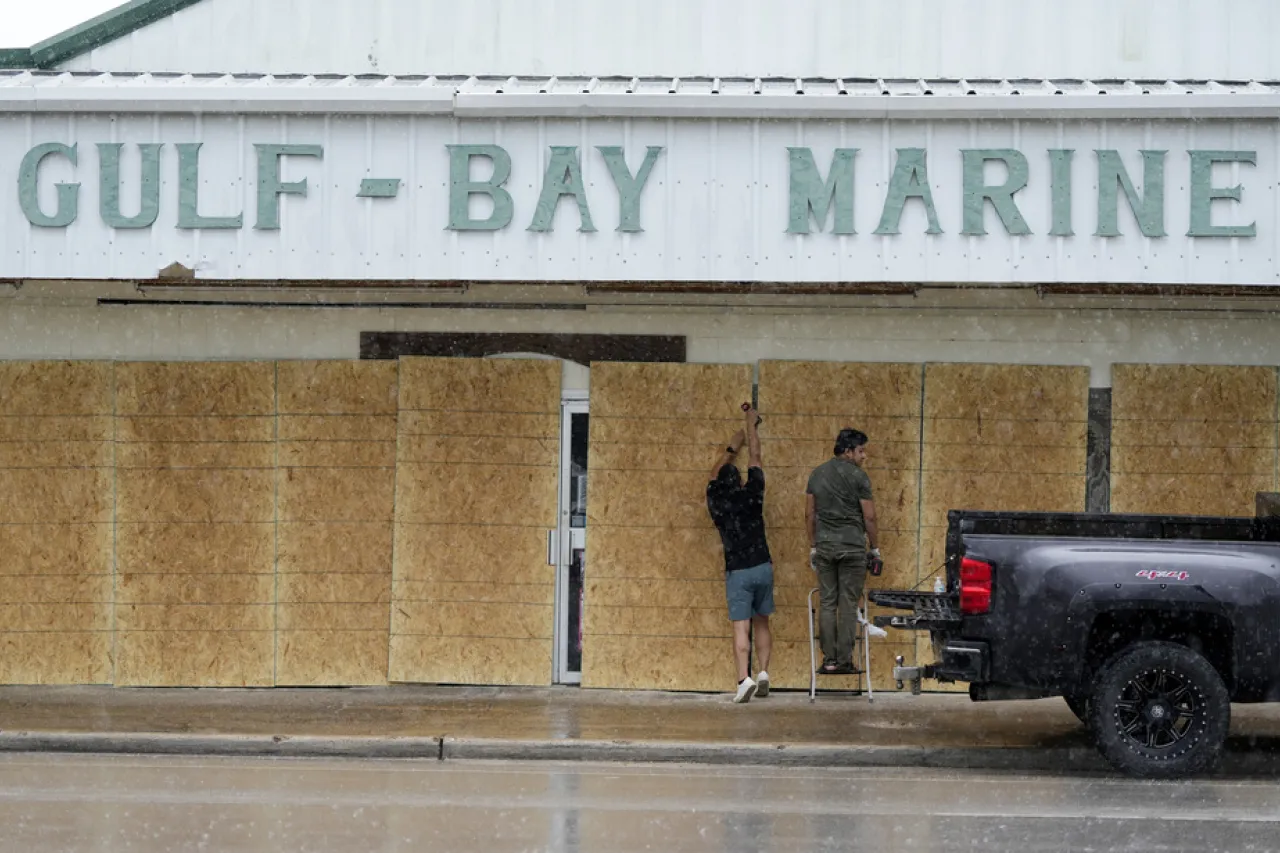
(716, 206)
(1228, 39)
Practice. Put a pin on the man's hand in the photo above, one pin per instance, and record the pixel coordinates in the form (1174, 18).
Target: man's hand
(875, 565)
(752, 417)
(813, 559)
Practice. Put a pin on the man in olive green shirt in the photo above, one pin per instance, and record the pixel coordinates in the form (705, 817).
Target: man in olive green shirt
(840, 516)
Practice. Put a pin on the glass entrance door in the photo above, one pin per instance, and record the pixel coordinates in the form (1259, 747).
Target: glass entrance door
(571, 536)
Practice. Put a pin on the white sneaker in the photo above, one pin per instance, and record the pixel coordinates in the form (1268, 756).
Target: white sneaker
(762, 685)
(746, 690)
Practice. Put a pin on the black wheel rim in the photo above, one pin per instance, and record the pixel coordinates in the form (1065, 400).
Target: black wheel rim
(1159, 711)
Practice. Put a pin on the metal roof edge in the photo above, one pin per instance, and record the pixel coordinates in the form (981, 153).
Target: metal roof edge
(16, 57)
(107, 27)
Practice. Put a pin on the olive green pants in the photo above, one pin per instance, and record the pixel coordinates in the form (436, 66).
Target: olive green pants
(841, 576)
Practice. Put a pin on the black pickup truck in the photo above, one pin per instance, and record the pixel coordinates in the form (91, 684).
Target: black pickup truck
(1149, 626)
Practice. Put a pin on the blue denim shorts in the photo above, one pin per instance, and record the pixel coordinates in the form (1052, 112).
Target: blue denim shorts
(750, 592)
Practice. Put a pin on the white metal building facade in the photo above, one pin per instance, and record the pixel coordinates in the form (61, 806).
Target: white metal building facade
(978, 181)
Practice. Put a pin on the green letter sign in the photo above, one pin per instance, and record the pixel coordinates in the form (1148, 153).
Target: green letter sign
(563, 177)
(629, 188)
(910, 180)
(810, 194)
(462, 188)
(976, 191)
(1149, 208)
(29, 188)
(270, 187)
(1203, 192)
(109, 186)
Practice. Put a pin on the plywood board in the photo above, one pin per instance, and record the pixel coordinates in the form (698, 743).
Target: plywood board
(505, 385)
(189, 388)
(215, 495)
(334, 547)
(195, 515)
(1189, 494)
(805, 404)
(337, 387)
(56, 459)
(55, 657)
(194, 429)
(656, 429)
(345, 427)
(1177, 392)
(56, 427)
(1000, 437)
(466, 660)
(195, 548)
(1192, 439)
(337, 454)
(516, 494)
(55, 549)
(652, 391)
(195, 658)
(844, 389)
(335, 496)
(1005, 392)
(475, 494)
(53, 388)
(330, 657)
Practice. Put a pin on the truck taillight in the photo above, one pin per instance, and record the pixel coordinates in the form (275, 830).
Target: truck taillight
(975, 586)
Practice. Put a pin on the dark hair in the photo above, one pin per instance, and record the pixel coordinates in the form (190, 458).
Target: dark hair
(849, 439)
(728, 475)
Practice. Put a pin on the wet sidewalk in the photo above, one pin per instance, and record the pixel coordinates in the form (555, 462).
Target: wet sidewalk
(570, 723)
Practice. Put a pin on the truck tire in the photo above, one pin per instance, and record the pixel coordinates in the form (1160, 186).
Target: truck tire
(1079, 705)
(1160, 711)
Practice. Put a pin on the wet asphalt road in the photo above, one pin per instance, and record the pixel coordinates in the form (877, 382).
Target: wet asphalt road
(141, 804)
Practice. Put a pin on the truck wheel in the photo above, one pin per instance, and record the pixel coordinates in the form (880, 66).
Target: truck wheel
(1160, 711)
(1079, 705)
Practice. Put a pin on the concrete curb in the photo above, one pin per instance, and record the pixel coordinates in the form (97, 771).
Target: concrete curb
(492, 749)
(1079, 759)
(201, 744)
(772, 755)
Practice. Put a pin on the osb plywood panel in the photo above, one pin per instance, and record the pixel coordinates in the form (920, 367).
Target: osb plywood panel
(1181, 392)
(1192, 439)
(844, 389)
(195, 519)
(480, 385)
(234, 658)
(335, 497)
(1188, 494)
(1005, 392)
(329, 656)
(56, 458)
(1000, 437)
(319, 547)
(656, 429)
(195, 429)
(337, 387)
(55, 388)
(804, 405)
(469, 660)
(233, 388)
(55, 657)
(652, 391)
(475, 494)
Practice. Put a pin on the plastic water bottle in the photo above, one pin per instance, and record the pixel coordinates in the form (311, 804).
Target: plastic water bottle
(939, 586)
